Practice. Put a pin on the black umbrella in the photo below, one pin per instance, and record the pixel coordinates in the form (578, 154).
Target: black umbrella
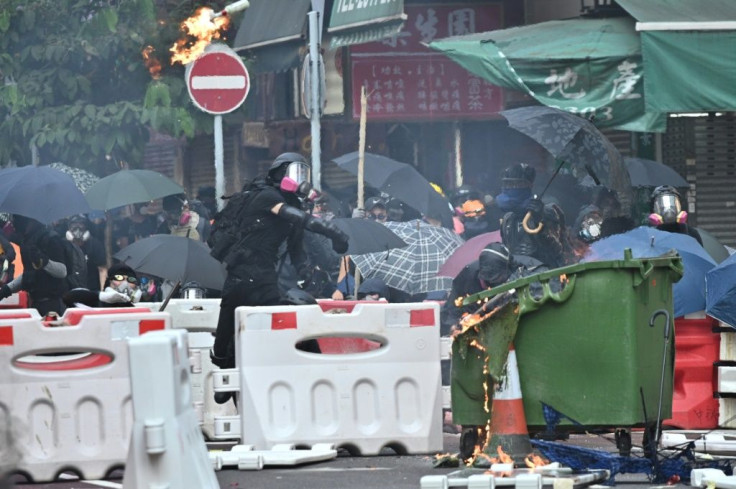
(366, 236)
(400, 181)
(573, 141)
(130, 187)
(650, 173)
(41, 193)
(174, 258)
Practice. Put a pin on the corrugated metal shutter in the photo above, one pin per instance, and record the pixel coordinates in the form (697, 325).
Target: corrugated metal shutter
(200, 163)
(715, 176)
(620, 139)
(161, 154)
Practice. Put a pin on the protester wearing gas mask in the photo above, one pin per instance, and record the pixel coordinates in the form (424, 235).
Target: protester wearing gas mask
(271, 214)
(44, 268)
(588, 224)
(667, 213)
(94, 251)
(121, 289)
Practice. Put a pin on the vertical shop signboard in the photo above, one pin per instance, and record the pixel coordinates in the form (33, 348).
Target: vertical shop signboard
(408, 81)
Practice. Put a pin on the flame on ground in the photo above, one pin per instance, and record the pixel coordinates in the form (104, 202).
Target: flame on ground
(532, 460)
(200, 30)
(151, 62)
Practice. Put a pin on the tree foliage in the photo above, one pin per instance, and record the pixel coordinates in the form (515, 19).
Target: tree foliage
(73, 82)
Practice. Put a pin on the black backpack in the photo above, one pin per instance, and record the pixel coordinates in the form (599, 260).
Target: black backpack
(227, 229)
(76, 266)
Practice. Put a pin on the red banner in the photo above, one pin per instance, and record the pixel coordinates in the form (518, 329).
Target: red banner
(406, 80)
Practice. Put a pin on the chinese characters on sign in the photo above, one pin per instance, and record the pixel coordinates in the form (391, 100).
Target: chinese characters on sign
(416, 88)
(406, 80)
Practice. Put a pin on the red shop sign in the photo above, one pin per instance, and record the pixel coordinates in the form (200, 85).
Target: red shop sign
(406, 80)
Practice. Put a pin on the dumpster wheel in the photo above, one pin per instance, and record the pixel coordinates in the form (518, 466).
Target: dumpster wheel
(623, 441)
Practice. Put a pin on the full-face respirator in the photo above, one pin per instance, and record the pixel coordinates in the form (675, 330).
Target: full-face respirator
(296, 181)
(666, 209)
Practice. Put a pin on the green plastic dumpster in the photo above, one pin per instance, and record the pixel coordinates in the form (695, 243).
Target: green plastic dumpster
(587, 350)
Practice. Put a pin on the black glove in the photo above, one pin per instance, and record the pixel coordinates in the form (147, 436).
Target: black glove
(339, 239)
(304, 272)
(5, 292)
(37, 258)
(535, 206)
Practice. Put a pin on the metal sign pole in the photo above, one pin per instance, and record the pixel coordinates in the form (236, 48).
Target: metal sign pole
(315, 102)
(219, 163)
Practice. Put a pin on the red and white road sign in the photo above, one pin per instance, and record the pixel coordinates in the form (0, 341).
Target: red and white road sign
(218, 81)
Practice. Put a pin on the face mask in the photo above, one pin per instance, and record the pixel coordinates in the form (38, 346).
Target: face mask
(657, 220)
(77, 234)
(289, 185)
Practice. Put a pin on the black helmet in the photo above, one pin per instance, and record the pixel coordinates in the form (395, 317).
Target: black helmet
(373, 202)
(464, 193)
(664, 189)
(277, 170)
(299, 297)
(518, 175)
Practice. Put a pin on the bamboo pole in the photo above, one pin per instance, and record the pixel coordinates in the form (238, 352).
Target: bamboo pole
(361, 164)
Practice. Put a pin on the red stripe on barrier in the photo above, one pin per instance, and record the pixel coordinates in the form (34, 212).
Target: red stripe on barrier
(90, 361)
(6, 335)
(15, 315)
(421, 317)
(283, 320)
(146, 325)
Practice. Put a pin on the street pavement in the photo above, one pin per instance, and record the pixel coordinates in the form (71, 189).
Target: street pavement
(386, 471)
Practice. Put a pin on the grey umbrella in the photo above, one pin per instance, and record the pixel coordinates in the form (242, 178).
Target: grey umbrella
(130, 187)
(174, 258)
(650, 173)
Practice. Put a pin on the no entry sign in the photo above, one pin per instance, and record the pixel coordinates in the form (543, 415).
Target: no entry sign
(218, 81)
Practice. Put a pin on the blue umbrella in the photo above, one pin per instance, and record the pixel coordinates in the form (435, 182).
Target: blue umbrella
(720, 291)
(41, 193)
(648, 242)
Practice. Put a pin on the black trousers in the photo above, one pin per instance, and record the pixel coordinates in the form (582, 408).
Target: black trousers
(253, 291)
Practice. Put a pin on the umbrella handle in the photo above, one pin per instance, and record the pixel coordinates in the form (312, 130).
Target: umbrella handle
(525, 224)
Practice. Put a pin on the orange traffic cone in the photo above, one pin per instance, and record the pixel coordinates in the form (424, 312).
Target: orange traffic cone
(508, 422)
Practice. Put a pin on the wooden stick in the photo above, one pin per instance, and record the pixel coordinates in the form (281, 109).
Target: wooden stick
(361, 147)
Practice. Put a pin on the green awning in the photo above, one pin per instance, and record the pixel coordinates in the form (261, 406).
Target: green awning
(588, 66)
(689, 53)
(358, 22)
(272, 32)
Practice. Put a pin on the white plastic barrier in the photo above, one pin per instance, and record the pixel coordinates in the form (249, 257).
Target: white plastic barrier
(199, 317)
(73, 411)
(390, 396)
(167, 450)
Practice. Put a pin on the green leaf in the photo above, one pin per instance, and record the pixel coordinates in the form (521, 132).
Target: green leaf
(89, 111)
(4, 21)
(110, 17)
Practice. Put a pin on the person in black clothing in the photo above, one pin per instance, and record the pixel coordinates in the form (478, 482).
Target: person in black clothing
(44, 268)
(7, 256)
(121, 289)
(492, 268)
(273, 215)
(94, 251)
(531, 227)
(667, 214)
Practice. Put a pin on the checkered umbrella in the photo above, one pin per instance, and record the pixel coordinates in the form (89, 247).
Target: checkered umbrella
(413, 268)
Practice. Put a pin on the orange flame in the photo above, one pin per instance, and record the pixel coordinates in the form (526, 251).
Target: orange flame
(200, 30)
(151, 62)
(532, 460)
(503, 457)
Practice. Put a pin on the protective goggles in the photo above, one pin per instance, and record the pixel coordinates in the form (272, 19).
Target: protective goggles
(298, 172)
(379, 216)
(121, 278)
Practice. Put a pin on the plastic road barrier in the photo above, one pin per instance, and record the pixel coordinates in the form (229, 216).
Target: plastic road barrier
(361, 401)
(73, 411)
(15, 301)
(166, 449)
(587, 350)
(199, 318)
